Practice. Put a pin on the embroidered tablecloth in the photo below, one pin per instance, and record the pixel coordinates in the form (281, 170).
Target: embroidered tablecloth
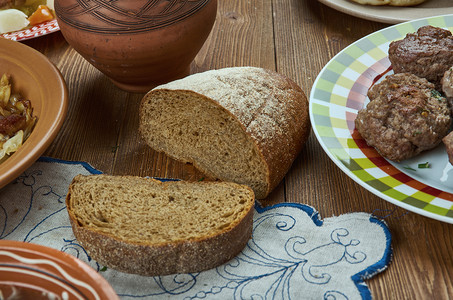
(294, 254)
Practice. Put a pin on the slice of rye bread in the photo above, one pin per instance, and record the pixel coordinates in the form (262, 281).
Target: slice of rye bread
(242, 124)
(147, 227)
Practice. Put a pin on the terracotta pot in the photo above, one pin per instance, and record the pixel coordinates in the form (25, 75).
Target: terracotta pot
(137, 44)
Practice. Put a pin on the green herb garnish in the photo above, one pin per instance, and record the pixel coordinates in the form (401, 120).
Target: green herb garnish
(425, 165)
(104, 268)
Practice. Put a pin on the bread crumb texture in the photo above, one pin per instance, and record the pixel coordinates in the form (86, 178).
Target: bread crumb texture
(149, 212)
(241, 124)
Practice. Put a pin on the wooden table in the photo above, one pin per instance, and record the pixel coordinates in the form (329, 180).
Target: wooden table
(296, 38)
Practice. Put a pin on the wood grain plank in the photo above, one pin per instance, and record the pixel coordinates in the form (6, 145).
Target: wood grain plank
(242, 36)
(88, 132)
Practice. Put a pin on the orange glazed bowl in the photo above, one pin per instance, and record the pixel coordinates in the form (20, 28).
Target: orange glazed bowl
(36, 79)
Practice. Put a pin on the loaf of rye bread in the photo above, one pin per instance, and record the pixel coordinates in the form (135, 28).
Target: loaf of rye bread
(241, 124)
(148, 227)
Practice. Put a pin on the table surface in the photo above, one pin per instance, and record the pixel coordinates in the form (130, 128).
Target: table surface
(296, 38)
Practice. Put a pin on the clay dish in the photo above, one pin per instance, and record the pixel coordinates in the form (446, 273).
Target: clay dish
(137, 44)
(32, 271)
(38, 80)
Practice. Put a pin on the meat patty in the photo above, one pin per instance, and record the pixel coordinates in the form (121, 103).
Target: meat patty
(428, 53)
(406, 116)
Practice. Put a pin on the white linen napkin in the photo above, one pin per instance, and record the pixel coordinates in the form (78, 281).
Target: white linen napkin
(293, 253)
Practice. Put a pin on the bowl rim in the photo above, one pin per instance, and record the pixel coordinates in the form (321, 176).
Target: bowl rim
(27, 154)
(57, 264)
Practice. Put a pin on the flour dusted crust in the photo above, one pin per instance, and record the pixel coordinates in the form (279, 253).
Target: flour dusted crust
(272, 110)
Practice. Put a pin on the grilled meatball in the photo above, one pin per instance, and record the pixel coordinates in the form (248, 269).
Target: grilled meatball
(428, 53)
(406, 116)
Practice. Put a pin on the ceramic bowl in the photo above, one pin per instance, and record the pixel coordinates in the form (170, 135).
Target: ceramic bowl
(137, 44)
(32, 271)
(38, 80)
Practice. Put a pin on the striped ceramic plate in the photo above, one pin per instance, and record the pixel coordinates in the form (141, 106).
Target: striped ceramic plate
(32, 32)
(340, 91)
(32, 271)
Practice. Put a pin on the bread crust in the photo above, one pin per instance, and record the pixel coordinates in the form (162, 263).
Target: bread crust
(164, 259)
(281, 153)
(278, 147)
(148, 259)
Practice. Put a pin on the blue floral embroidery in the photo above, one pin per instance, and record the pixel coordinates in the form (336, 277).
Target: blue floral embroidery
(293, 253)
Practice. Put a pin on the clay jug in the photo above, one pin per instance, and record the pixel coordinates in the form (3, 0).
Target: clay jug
(138, 44)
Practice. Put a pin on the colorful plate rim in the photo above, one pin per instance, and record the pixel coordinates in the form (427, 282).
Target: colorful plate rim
(33, 32)
(339, 92)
